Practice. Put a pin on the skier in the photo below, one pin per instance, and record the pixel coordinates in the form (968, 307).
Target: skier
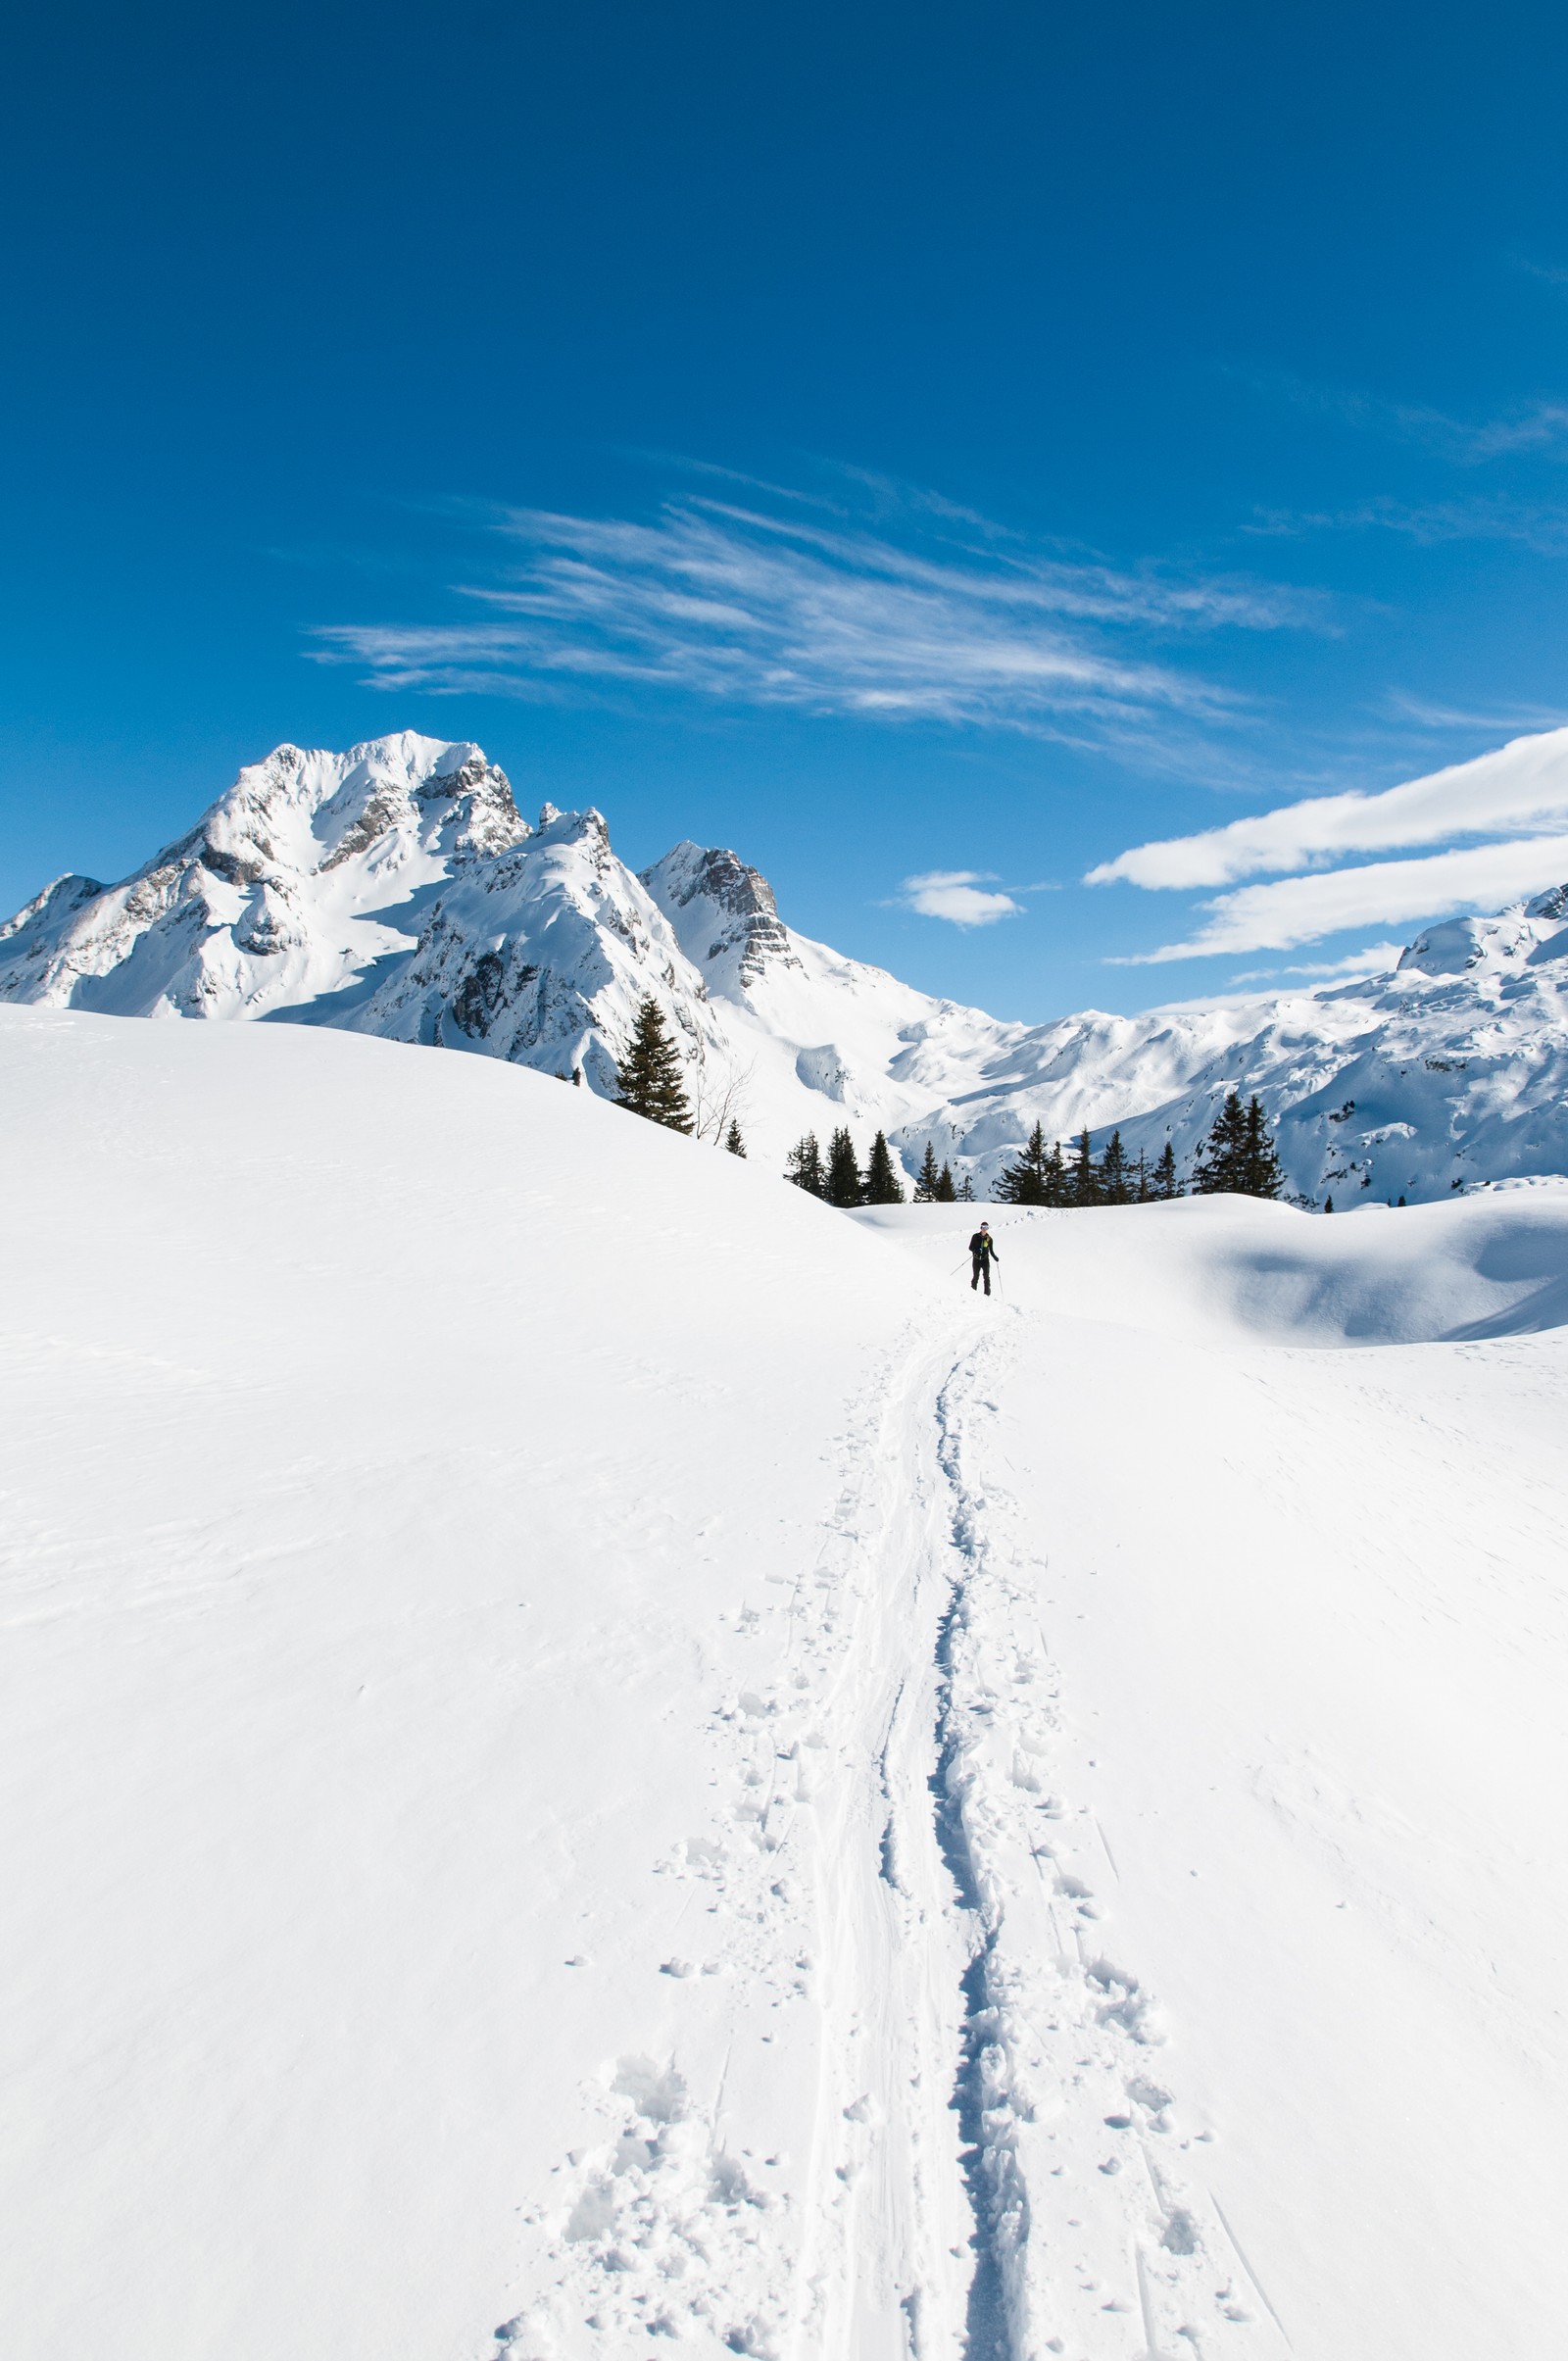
(982, 1254)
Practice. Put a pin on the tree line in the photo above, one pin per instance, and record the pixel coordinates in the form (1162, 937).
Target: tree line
(838, 1179)
(1238, 1157)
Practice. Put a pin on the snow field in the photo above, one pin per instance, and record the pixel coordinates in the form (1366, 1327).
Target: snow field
(1305, 1614)
(593, 1753)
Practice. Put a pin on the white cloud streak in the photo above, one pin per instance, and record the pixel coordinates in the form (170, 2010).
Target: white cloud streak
(1373, 958)
(1303, 910)
(1538, 525)
(1517, 787)
(956, 894)
(957, 623)
(1539, 426)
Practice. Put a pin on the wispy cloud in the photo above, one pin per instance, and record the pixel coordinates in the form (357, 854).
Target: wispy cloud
(1374, 958)
(1538, 525)
(1538, 425)
(1509, 720)
(1304, 909)
(1516, 788)
(945, 620)
(956, 894)
(1554, 273)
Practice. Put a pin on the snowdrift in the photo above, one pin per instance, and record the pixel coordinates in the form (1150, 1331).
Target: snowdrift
(1229, 1268)
(595, 1752)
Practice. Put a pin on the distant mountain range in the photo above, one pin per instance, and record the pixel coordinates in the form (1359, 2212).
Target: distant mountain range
(397, 890)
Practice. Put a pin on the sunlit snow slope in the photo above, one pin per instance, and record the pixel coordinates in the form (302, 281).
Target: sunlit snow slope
(594, 1751)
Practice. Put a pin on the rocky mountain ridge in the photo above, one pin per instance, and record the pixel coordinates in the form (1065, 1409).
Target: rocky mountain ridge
(397, 890)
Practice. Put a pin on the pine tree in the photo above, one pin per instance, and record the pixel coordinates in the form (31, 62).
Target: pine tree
(1238, 1157)
(1143, 1189)
(1221, 1163)
(1261, 1174)
(648, 1078)
(883, 1185)
(804, 1166)
(1165, 1183)
(845, 1186)
(1115, 1181)
(945, 1193)
(1328, 1205)
(966, 1196)
(1082, 1179)
(733, 1141)
(928, 1180)
(1024, 1183)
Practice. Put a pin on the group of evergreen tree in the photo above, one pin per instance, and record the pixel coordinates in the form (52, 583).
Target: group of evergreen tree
(933, 1188)
(648, 1079)
(1239, 1159)
(1238, 1156)
(838, 1180)
(1044, 1176)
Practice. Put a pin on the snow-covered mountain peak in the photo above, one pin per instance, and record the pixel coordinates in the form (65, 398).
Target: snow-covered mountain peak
(1496, 946)
(724, 915)
(281, 892)
(541, 956)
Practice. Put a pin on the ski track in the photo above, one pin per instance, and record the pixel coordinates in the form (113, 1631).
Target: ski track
(998, 2169)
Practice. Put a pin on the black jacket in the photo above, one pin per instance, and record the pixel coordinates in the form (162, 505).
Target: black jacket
(983, 1244)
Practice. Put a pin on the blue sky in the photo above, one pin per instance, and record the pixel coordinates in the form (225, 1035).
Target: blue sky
(904, 443)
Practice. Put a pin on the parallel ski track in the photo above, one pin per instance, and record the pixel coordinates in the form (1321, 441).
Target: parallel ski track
(998, 2171)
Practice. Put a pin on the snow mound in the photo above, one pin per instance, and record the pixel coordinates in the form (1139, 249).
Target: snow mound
(1229, 1268)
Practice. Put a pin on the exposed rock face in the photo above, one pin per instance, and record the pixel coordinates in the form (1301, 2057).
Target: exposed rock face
(723, 914)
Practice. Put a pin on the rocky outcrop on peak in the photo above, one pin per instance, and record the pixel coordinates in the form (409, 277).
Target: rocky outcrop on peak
(723, 914)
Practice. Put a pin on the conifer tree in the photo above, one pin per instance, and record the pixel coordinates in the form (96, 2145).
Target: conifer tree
(883, 1185)
(1082, 1178)
(1024, 1183)
(732, 1139)
(845, 1187)
(804, 1166)
(1164, 1182)
(1238, 1157)
(1219, 1165)
(648, 1078)
(1115, 1181)
(1328, 1205)
(1058, 1188)
(965, 1195)
(1261, 1174)
(945, 1194)
(1143, 1189)
(928, 1180)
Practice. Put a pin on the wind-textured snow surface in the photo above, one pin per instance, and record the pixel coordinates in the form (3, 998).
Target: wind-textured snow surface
(595, 1752)
(396, 889)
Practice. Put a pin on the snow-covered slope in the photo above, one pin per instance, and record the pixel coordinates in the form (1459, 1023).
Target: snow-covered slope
(1449, 1069)
(591, 1751)
(395, 890)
